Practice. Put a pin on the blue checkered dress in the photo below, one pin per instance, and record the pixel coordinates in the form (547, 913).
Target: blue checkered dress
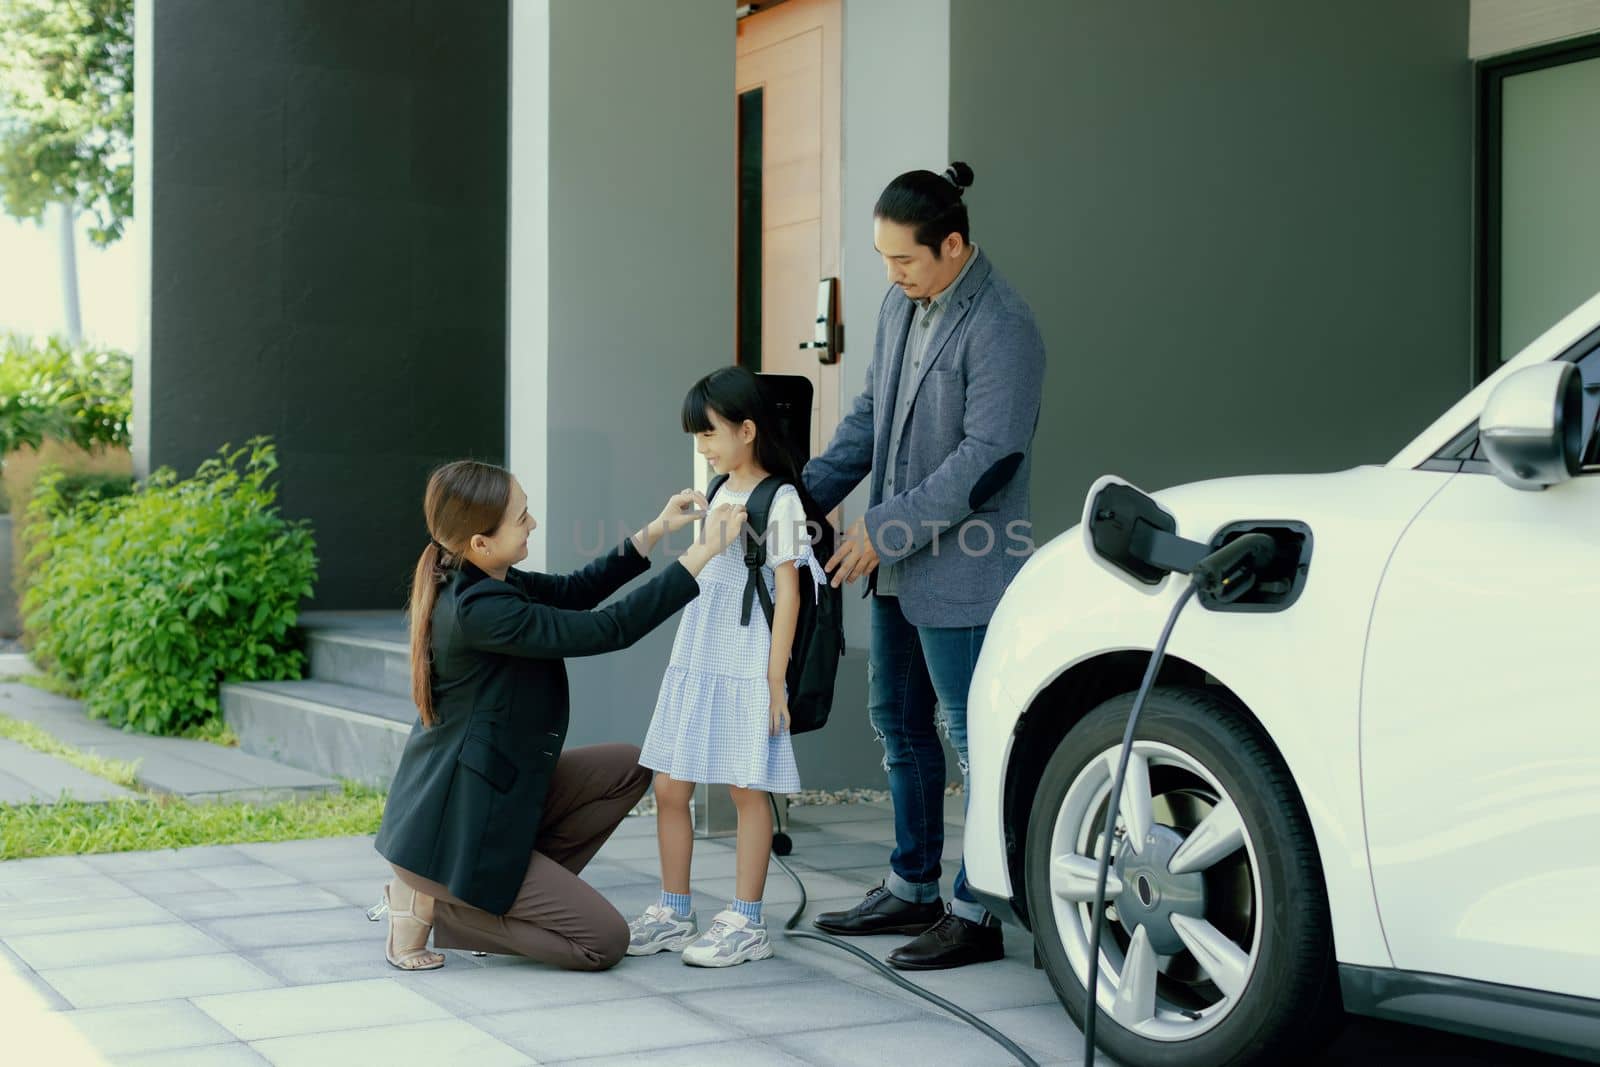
(711, 718)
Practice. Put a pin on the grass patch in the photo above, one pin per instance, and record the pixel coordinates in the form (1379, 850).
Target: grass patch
(121, 772)
(49, 683)
(73, 828)
(213, 730)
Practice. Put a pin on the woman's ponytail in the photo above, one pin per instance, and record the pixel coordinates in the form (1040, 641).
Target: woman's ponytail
(430, 574)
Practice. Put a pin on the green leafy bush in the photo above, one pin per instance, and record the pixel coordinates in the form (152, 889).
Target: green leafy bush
(147, 602)
(52, 391)
(67, 490)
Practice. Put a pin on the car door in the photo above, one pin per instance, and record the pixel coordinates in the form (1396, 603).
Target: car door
(1480, 729)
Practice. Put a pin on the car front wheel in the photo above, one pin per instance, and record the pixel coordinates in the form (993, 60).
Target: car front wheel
(1217, 947)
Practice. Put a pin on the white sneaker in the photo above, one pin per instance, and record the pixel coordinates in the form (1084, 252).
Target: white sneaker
(660, 929)
(732, 939)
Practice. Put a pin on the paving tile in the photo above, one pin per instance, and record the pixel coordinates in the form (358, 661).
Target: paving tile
(723, 1054)
(312, 1009)
(23, 990)
(59, 890)
(873, 831)
(179, 880)
(1046, 1030)
(226, 903)
(706, 863)
(607, 875)
(14, 872)
(162, 1025)
(629, 848)
(841, 856)
(304, 928)
(635, 826)
(358, 892)
(512, 984)
(337, 961)
(823, 814)
(348, 868)
(132, 983)
(793, 1008)
(928, 1040)
(1008, 983)
(30, 777)
(310, 849)
(166, 859)
(448, 1041)
(235, 1055)
(781, 890)
(87, 948)
(46, 917)
(244, 876)
(593, 1030)
(665, 972)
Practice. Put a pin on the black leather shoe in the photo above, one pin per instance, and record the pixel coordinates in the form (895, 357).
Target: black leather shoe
(880, 913)
(951, 942)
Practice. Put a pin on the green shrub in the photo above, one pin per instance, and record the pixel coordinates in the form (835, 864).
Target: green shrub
(50, 390)
(69, 488)
(147, 602)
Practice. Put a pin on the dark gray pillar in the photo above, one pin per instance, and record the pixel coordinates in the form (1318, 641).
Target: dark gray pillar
(326, 186)
(1245, 227)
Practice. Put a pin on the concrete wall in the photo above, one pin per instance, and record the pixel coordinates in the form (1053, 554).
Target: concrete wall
(884, 40)
(1500, 26)
(325, 192)
(1245, 228)
(623, 217)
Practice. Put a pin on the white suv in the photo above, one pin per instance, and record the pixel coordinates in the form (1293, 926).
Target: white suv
(1373, 784)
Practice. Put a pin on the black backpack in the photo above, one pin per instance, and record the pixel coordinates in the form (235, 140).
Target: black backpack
(819, 631)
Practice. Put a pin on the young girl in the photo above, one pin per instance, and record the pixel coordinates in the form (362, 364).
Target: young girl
(723, 713)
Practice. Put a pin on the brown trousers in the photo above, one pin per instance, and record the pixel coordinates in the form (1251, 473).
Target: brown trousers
(557, 917)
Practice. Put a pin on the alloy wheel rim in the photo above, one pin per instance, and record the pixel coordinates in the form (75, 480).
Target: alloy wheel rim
(1183, 930)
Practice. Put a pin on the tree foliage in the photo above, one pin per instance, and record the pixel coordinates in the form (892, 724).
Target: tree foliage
(66, 110)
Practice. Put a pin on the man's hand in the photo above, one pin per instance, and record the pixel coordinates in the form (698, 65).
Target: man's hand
(856, 557)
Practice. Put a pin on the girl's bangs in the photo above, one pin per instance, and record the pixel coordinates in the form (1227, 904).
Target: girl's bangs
(696, 408)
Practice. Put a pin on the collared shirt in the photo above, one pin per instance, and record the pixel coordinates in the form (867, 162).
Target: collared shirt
(925, 318)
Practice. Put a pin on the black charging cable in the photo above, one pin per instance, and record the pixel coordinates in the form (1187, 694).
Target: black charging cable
(1225, 575)
(889, 972)
(1113, 802)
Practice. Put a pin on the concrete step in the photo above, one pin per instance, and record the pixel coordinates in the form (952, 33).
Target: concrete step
(363, 649)
(343, 731)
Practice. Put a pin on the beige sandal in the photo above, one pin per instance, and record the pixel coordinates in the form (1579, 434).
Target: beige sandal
(411, 959)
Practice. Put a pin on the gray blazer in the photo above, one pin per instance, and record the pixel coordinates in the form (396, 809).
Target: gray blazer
(961, 523)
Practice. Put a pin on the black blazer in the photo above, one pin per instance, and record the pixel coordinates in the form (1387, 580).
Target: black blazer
(468, 799)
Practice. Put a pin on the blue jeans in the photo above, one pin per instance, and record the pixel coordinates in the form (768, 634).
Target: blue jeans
(911, 668)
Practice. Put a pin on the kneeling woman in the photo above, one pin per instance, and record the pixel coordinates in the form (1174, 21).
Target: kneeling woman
(488, 822)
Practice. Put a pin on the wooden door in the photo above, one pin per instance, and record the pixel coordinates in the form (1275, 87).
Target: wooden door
(788, 59)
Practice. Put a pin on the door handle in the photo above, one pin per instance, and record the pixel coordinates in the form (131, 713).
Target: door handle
(828, 339)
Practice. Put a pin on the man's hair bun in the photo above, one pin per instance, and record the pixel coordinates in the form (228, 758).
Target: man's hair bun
(958, 175)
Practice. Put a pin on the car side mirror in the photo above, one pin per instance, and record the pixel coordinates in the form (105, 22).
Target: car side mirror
(1532, 426)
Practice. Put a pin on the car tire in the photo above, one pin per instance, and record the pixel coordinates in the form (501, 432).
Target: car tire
(1269, 890)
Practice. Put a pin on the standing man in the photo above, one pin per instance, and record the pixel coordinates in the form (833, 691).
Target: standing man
(943, 429)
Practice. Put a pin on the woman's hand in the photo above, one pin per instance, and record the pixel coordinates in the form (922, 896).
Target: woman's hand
(780, 707)
(682, 509)
(722, 527)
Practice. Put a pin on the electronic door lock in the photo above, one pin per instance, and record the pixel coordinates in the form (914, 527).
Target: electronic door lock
(828, 341)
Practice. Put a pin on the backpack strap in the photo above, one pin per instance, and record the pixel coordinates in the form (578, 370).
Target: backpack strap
(716, 483)
(757, 510)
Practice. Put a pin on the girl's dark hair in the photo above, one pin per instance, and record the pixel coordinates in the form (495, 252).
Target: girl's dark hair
(929, 202)
(463, 498)
(734, 393)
